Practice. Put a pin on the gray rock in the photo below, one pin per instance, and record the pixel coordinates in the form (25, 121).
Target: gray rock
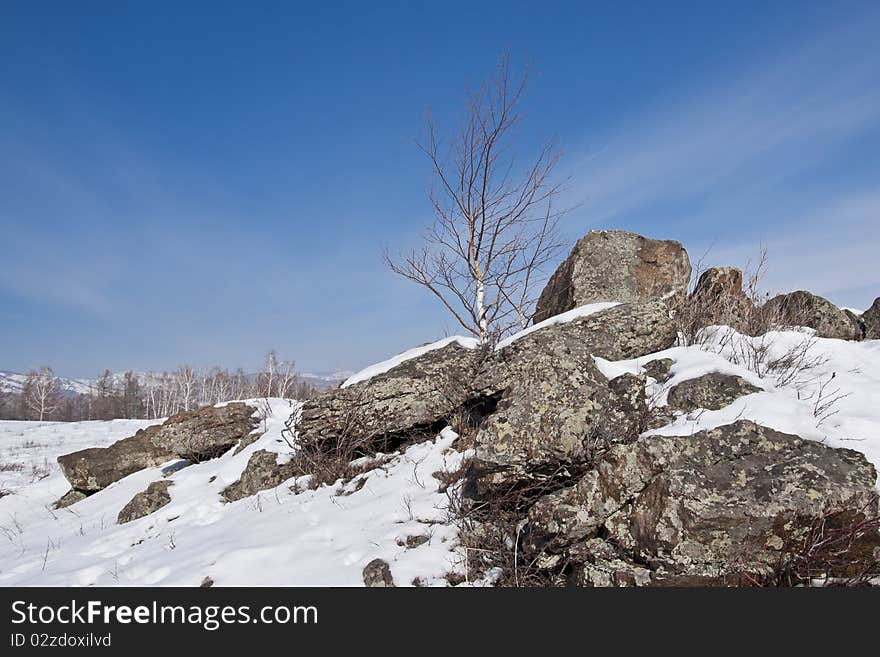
(555, 410)
(206, 433)
(660, 369)
(711, 391)
(616, 265)
(701, 505)
(622, 332)
(70, 497)
(146, 502)
(262, 472)
(718, 298)
(600, 564)
(93, 469)
(377, 574)
(417, 395)
(871, 319)
(806, 309)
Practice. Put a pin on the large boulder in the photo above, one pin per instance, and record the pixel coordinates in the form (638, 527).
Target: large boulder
(419, 394)
(206, 433)
(146, 502)
(93, 469)
(805, 309)
(731, 499)
(871, 319)
(615, 265)
(262, 472)
(711, 391)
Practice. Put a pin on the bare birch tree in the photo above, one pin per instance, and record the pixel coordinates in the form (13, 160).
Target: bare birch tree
(42, 393)
(495, 223)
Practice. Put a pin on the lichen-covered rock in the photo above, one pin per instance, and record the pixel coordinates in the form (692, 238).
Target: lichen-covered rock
(262, 472)
(206, 433)
(93, 469)
(871, 320)
(711, 391)
(615, 265)
(806, 309)
(718, 298)
(419, 394)
(659, 369)
(727, 499)
(618, 333)
(70, 497)
(146, 502)
(599, 564)
(377, 574)
(555, 409)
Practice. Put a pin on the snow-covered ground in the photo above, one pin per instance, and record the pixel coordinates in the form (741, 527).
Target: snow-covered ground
(835, 401)
(277, 538)
(326, 536)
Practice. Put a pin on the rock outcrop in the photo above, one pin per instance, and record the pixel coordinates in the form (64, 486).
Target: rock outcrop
(711, 391)
(616, 265)
(262, 472)
(194, 435)
(417, 395)
(93, 469)
(871, 319)
(146, 502)
(719, 501)
(806, 309)
(552, 405)
(205, 433)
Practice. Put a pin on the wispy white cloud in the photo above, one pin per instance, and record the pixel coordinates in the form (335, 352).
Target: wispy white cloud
(801, 102)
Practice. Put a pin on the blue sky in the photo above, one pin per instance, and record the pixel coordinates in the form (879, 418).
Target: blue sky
(200, 184)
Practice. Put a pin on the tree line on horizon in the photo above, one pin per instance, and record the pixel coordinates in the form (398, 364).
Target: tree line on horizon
(149, 396)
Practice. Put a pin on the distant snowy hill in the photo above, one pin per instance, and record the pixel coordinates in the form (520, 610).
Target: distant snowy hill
(13, 382)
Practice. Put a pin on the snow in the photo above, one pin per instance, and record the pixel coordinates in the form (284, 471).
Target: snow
(581, 311)
(385, 365)
(473, 343)
(850, 372)
(276, 538)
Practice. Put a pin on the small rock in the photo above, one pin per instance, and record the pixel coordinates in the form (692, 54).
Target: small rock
(416, 540)
(659, 369)
(262, 472)
(377, 574)
(70, 497)
(711, 391)
(206, 583)
(146, 502)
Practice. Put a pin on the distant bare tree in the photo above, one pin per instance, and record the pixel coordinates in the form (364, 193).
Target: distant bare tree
(277, 378)
(42, 393)
(187, 380)
(495, 224)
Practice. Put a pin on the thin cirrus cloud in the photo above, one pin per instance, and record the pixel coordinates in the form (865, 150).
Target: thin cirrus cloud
(751, 161)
